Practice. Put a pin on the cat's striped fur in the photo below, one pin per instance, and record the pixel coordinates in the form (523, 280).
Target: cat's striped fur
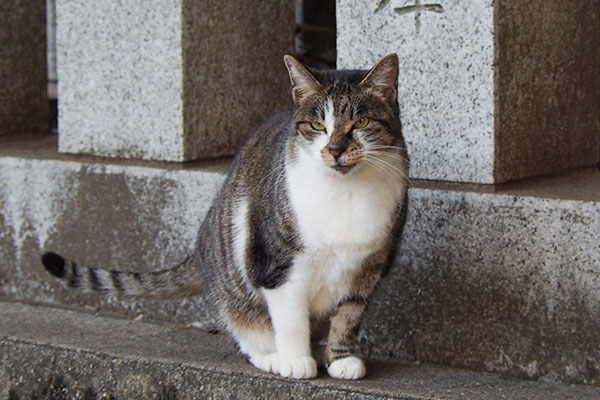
(304, 226)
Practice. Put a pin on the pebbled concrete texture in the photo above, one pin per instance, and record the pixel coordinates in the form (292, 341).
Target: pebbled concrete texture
(489, 91)
(146, 82)
(58, 354)
(506, 282)
(61, 205)
(23, 98)
(494, 282)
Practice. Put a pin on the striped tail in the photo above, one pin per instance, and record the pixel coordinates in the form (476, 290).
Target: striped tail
(181, 281)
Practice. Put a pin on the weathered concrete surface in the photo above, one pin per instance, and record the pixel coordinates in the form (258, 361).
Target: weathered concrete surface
(117, 216)
(186, 80)
(23, 99)
(489, 91)
(495, 282)
(503, 281)
(59, 354)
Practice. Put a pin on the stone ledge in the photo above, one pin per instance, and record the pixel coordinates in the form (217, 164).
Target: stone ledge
(487, 281)
(48, 351)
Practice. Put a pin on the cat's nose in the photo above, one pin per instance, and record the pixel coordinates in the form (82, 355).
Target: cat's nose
(336, 149)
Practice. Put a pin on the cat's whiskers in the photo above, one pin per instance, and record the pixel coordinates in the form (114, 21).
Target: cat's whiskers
(374, 156)
(382, 165)
(274, 183)
(390, 174)
(385, 154)
(380, 147)
(391, 149)
(257, 186)
(373, 162)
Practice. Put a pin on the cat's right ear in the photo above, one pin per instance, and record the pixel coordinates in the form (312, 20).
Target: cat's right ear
(303, 82)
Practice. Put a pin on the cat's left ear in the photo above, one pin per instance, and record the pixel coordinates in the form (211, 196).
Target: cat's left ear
(303, 82)
(383, 78)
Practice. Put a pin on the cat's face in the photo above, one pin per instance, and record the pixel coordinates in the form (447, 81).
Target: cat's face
(343, 125)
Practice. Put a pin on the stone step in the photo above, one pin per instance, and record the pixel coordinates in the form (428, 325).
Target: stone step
(504, 281)
(57, 353)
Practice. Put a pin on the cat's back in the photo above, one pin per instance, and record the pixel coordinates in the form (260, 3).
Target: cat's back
(274, 131)
(263, 150)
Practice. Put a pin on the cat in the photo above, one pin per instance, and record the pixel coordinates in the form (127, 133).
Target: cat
(304, 227)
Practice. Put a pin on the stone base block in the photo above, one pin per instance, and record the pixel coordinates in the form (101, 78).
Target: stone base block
(65, 354)
(506, 281)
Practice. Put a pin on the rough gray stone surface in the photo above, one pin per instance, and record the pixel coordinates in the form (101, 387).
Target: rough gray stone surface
(489, 91)
(506, 281)
(495, 282)
(185, 80)
(23, 99)
(59, 354)
(114, 216)
(446, 83)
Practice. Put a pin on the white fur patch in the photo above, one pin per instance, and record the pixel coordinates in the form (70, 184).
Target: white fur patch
(329, 117)
(254, 343)
(289, 314)
(347, 368)
(353, 210)
(240, 235)
(342, 219)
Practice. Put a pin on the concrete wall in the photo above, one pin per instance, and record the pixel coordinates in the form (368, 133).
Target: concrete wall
(497, 282)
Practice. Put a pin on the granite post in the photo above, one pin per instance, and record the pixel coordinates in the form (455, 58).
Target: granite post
(176, 82)
(490, 91)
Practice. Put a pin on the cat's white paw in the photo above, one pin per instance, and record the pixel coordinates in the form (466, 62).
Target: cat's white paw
(268, 362)
(298, 367)
(347, 368)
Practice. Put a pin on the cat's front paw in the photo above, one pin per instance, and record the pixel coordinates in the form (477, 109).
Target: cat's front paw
(298, 367)
(268, 362)
(347, 368)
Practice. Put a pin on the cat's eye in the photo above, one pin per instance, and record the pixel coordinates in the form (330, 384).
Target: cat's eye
(317, 126)
(361, 123)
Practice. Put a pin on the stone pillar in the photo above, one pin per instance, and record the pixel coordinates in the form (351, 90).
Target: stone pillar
(547, 86)
(23, 99)
(489, 91)
(175, 80)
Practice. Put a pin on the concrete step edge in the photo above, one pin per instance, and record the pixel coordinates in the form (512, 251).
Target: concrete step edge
(48, 350)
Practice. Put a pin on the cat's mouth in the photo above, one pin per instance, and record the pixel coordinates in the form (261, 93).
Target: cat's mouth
(343, 169)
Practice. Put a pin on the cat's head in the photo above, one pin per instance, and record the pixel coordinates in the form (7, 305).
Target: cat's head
(346, 120)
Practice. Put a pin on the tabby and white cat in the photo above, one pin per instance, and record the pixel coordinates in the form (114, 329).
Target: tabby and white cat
(303, 228)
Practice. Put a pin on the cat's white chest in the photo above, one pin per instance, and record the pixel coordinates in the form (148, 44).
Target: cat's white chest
(329, 277)
(341, 221)
(341, 211)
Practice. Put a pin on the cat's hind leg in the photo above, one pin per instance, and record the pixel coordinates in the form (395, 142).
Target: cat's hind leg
(258, 343)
